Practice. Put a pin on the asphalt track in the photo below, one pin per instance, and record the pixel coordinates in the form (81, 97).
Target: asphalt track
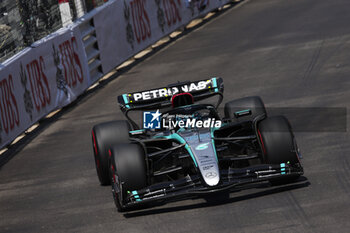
(291, 53)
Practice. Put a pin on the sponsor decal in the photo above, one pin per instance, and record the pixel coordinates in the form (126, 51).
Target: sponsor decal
(27, 99)
(211, 175)
(141, 21)
(160, 15)
(60, 80)
(34, 75)
(168, 92)
(69, 59)
(205, 168)
(172, 13)
(130, 38)
(8, 106)
(200, 5)
(137, 20)
(168, 12)
(203, 146)
(206, 161)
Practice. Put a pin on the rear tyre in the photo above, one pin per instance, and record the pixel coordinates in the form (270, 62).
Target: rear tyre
(128, 171)
(103, 137)
(245, 109)
(278, 144)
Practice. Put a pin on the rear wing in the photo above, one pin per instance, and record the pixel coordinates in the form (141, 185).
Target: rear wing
(161, 97)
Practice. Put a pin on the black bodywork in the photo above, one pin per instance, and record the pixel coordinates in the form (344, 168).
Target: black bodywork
(173, 172)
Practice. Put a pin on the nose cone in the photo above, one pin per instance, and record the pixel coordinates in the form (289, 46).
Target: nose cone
(205, 155)
(211, 177)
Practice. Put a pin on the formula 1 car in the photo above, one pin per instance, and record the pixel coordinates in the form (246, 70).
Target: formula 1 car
(188, 149)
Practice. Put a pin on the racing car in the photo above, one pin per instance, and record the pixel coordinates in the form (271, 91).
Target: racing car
(177, 154)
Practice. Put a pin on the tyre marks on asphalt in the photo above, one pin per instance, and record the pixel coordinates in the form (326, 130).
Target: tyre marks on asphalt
(314, 60)
(335, 47)
(294, 212)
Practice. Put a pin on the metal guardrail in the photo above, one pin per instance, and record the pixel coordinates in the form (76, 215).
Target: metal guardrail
(90, 42)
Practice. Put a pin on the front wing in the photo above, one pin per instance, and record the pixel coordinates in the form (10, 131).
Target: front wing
(194, 185)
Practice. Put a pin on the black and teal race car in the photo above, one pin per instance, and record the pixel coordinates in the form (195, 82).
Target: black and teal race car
(185, 148)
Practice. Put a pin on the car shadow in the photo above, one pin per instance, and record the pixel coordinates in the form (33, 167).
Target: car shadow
(222, 198)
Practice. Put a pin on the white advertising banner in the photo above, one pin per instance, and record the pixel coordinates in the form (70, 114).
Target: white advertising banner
(48, 76)
(124, 28)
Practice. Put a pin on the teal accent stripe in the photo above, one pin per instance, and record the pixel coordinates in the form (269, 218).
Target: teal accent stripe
(283, 168)
(178, 138)
(214, 83)
(247, 110)
(213, 142)
(137, 197)
(136, 131)
(125, 98)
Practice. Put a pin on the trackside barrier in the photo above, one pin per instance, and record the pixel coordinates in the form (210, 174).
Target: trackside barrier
(54, 71)
(125, 28)
(91, 48)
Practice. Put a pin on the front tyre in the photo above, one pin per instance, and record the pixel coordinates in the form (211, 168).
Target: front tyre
(103, 137)
(278, 144)
(128, 171)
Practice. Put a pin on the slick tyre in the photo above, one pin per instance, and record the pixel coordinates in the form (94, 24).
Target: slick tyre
(278, 144)
(245, 109)
(104, 136)
(128, 170)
